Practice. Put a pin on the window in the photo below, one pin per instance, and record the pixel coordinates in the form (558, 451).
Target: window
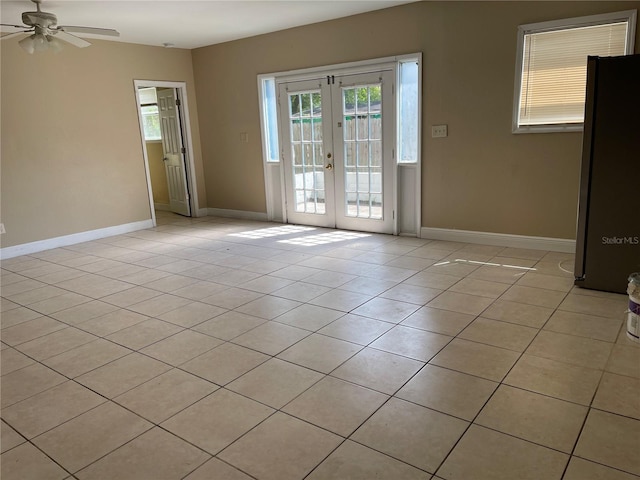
(150, 115)
(551, 67)
(269, 119)
(408, 108)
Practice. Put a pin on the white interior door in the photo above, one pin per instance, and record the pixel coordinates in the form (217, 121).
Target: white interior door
(305, 119)
(172, 147)
(338, 151)
(363, 111)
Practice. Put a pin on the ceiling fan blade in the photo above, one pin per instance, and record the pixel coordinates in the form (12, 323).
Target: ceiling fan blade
(72, 39)
(109, 32)
(14, 26)
(14, 34)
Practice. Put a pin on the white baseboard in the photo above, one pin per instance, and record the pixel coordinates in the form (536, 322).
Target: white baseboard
(165, 207)
(66, 240)
(243, 214)
(500, 239)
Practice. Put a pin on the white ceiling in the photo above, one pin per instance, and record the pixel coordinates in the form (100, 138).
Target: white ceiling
(191, 23)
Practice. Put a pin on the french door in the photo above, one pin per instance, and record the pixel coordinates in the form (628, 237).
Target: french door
(337, 151)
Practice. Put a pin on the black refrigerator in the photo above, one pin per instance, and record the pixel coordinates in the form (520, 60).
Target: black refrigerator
(608, 234)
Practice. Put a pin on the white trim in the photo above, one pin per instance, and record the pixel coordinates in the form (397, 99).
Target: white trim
(340, 70)
(418, 199)
(187, 142)
(548, 128)
(563, 24)
(162, 207)
(362, 66)
(585, 21)
(241, 214)
(202, 212)
(500, 239)
(74, 238)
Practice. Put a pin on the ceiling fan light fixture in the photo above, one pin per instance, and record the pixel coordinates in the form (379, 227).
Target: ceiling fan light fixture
(54, 44)
(28, 44)
(40, 43)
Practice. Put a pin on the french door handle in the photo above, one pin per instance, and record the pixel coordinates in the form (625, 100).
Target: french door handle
(329, 166)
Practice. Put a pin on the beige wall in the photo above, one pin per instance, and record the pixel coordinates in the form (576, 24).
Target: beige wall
(71, 153)
(157, 172)
(482, 177)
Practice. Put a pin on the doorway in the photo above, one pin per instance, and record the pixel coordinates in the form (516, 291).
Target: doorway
(337, 136)
(166, 141)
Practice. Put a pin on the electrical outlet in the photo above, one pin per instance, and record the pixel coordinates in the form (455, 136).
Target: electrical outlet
(244, 137)
(438, 131)
(2, 230)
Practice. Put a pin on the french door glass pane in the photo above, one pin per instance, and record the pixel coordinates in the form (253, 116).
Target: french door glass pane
(362, 127)
(305, 121)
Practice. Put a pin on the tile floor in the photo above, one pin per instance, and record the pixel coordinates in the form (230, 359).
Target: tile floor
(213, 348)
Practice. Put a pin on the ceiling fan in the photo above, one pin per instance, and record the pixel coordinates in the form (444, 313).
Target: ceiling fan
(46, 33)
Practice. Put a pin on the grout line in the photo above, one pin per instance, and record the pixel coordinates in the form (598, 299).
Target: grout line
(245, 246)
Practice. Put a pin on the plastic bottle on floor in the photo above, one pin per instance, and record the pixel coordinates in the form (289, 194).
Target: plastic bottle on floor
(633, 320)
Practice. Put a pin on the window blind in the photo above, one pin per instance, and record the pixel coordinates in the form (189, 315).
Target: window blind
(147, 96)
(554, 70)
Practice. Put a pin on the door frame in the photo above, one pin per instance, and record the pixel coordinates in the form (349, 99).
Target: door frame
(181, 90)
(407, 177)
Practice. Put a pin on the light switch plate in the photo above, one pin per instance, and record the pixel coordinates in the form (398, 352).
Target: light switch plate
(438, 131)
(2, 230)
